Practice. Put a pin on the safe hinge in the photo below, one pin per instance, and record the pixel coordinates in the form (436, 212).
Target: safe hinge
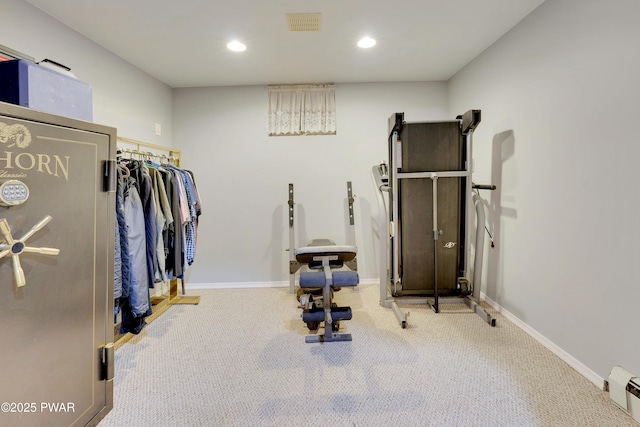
(107, 362)
(109, 175)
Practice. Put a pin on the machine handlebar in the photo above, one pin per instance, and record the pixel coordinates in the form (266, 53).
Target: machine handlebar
(484, 186)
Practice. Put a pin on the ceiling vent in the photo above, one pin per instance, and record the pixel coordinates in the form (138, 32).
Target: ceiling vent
(303, 21)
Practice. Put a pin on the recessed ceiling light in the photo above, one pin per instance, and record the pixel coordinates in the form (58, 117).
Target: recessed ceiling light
(236, 46)
(366, 42)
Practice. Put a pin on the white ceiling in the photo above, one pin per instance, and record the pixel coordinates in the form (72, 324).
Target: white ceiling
(183, 42)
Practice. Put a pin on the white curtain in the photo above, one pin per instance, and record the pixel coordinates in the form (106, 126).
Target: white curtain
(302, 110)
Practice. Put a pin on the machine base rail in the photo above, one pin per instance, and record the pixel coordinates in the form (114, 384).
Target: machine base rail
(480, 311)
(469, 302)
(310, 339)
(402, 317)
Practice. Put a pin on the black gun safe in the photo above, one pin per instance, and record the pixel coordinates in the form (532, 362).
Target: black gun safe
(57, 209)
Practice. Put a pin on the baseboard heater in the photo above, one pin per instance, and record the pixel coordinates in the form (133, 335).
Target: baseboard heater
(624, 390)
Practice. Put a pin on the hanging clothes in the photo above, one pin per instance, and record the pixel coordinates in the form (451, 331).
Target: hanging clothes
(175, 246)
(122, 280)
(194, 213)
(157, 210)
(164, 218)
(140, 173)
(190, 210)
(138, 304)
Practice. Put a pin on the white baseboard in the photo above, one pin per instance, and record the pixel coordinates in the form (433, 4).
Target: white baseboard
(244, 285)
(569, 359)
(236, 285)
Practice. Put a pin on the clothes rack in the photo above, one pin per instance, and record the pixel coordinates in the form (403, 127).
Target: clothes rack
(146, 151)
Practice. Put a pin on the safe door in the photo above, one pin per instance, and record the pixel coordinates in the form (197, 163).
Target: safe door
(56, 269)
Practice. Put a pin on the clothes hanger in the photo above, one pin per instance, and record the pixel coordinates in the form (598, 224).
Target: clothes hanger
(125, 169)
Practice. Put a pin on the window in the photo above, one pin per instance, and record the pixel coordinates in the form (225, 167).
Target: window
(302, 110)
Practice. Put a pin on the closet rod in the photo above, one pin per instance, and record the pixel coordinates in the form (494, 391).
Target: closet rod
(169, 157)
(172, 152)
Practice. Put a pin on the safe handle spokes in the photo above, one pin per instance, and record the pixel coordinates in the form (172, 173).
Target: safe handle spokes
(16, 247)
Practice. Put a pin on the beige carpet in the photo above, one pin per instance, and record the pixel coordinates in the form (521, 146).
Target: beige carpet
(240, 359)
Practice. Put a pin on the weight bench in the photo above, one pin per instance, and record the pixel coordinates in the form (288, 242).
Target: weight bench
(326, 256)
